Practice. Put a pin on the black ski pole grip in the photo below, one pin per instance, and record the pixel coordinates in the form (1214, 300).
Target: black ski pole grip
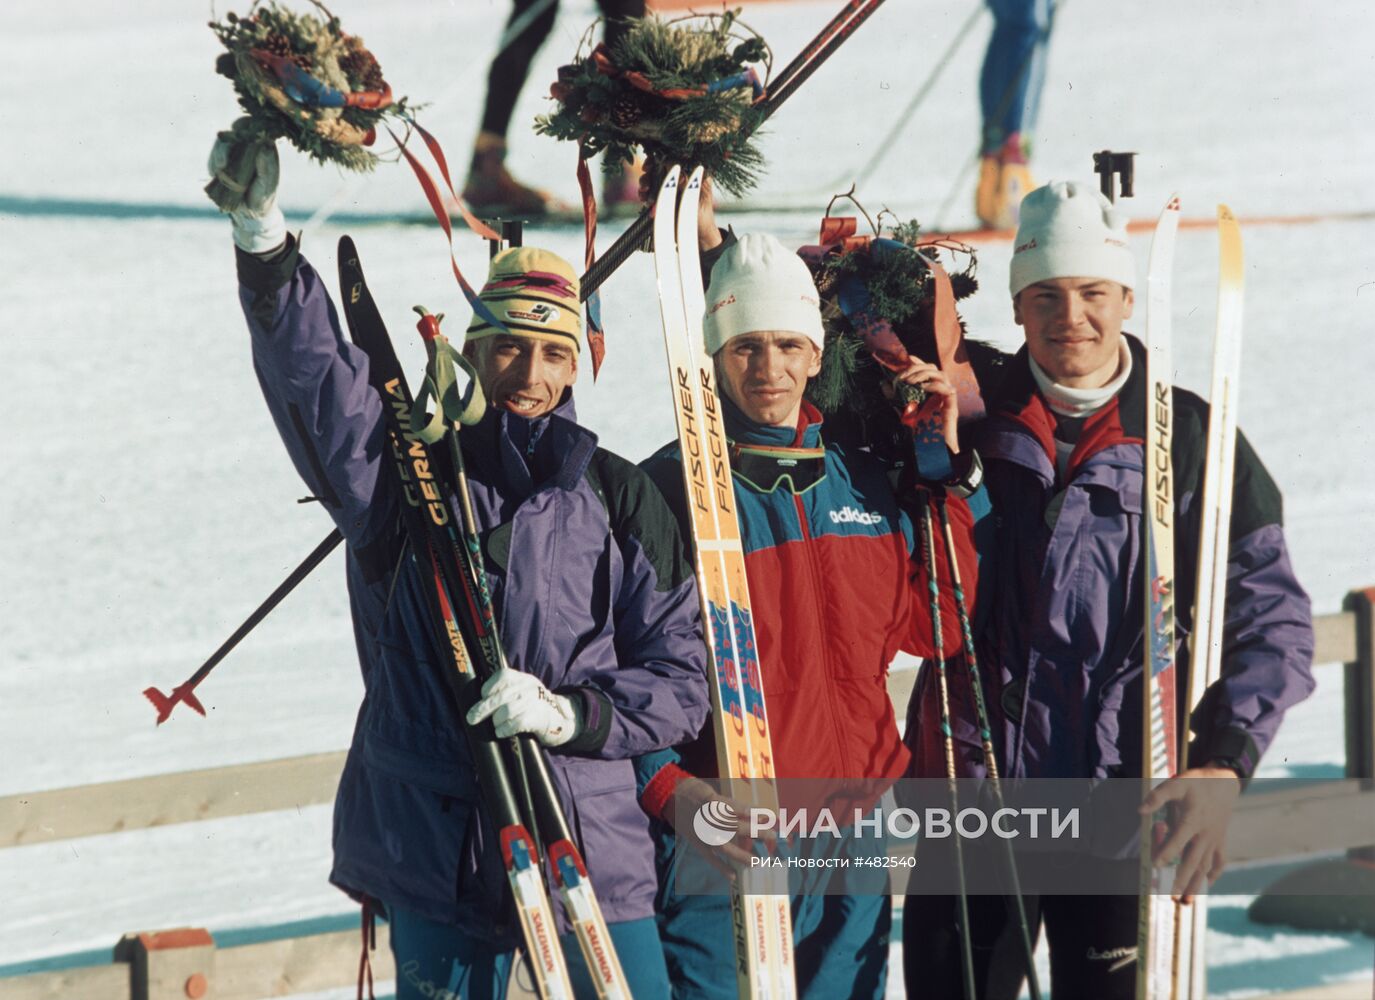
(1109, 165)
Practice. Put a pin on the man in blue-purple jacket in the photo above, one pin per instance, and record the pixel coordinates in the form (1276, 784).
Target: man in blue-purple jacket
(1060, 606)
(594, 596)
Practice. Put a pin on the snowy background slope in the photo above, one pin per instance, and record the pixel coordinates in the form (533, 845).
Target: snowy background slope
(147, 504)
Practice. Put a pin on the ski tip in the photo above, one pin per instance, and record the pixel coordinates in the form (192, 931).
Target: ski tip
(1174, 205)
(1224, 214)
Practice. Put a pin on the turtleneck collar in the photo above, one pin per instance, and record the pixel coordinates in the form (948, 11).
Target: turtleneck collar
(1081, 403)
(742, 430)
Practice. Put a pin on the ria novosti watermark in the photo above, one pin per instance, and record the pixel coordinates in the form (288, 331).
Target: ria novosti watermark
(1065, 837)
(718, 822)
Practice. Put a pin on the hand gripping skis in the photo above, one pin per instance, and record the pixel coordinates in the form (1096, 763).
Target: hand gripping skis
(762, 923)
(1160, 738)
(461, 620)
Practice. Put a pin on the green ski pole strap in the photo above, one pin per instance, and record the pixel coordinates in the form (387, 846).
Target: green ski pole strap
(453, 405)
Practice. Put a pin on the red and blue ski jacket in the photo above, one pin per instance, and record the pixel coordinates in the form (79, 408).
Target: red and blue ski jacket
(594, 595)
(1061, 623)
(837, 586)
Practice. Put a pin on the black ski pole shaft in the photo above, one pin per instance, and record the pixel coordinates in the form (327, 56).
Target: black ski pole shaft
(164, 703)
(551, 825)
(990, 752)
(817, 51)
(938, 651)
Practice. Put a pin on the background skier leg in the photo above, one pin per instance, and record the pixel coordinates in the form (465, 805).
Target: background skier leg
(622, 188)
(490, 187)
(1010, 95)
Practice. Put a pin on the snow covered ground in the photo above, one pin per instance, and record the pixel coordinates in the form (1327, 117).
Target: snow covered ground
(147, 505)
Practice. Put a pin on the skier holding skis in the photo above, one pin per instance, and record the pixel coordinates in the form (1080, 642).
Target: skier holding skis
(592, 589)
(835, 589)
(1062, 598)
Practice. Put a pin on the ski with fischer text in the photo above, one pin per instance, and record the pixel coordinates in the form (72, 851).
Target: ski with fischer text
(744, 751)
(1206, 643)
(1160, 734)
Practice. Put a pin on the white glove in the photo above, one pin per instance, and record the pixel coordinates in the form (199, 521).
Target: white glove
(259, 226)
(518, 703)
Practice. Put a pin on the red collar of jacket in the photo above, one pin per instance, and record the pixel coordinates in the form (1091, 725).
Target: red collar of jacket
(1121, 421)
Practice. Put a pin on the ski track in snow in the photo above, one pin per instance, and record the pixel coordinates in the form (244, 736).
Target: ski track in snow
(149, 506)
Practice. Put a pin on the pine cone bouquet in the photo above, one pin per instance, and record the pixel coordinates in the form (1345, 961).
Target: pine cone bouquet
(302, 78)
(683, 91)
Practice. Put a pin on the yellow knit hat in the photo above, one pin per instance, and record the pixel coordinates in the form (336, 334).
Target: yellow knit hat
(535, 293)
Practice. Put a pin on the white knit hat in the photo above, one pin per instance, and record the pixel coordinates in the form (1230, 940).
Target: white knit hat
(1070, 230)
(759, 284)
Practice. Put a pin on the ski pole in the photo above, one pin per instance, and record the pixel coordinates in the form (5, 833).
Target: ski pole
(986, 735)
(937, 641)
(185, 691)
(817, 51)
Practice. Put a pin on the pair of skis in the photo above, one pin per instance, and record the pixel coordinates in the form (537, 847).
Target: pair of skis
(513, 775)
(1171, 936)
(762, 922)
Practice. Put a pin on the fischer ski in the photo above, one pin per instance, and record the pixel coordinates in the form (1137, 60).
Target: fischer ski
(440, 549)
(762, 923)
(1206, 643)
(1160, 737)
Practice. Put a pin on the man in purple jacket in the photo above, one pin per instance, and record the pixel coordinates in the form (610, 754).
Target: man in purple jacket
(594, 596)
(1061, 605)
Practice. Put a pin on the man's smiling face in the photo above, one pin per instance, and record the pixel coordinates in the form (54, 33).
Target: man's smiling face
(523, 375)
(1073, 327)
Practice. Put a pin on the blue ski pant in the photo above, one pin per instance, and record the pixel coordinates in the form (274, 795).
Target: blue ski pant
(840, 941)
(439, 962)
(1014, 69)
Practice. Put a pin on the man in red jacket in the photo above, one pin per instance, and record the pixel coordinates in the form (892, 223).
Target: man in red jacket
(836, 591)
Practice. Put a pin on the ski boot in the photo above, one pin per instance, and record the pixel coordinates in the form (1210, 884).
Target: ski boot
(491, 190)
(1004, 179)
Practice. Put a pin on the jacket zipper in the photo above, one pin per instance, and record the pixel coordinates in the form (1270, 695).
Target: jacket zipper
(807, 539)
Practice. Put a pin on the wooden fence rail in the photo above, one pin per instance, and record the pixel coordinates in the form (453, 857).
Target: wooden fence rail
(1313, 819)
(241, 789)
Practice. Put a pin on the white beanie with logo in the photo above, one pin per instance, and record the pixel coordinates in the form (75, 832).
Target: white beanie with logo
(1070, 230)
(759, 284)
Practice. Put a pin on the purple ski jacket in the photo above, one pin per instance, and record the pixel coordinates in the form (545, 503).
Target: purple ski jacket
(1060, 608)
(594, 595)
